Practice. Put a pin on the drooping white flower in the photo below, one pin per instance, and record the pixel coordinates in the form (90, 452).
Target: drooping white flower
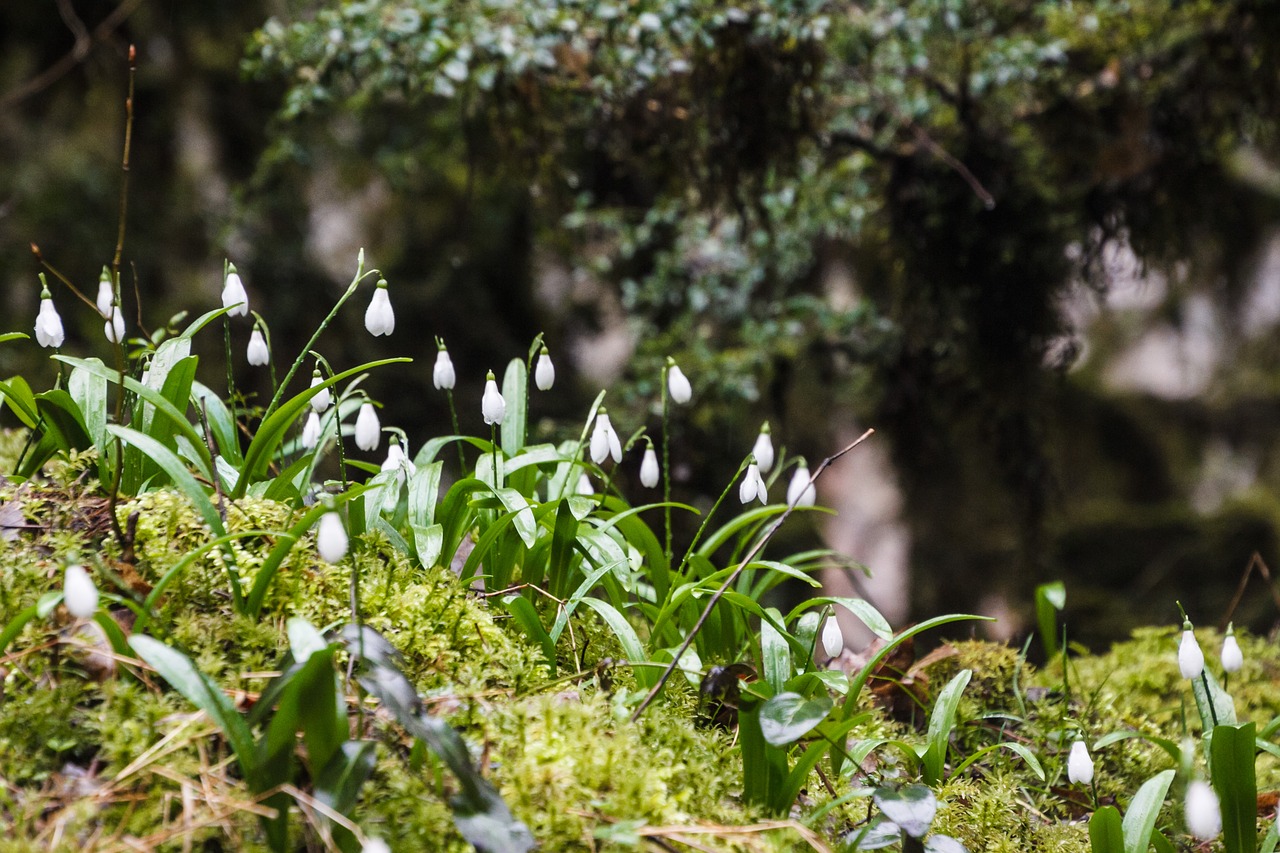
(49, 332)
(752, 485)
(443, 375)
(311, 431)
(584, 485)
(1079, 764)
(368, 428)
(604, 440)
(331, 538)
(323, 398)
(397, 458)
(79, 593)
(233, 293)
(678, 383)
(1232, 657)
(258, 353)
(106, 294)
(379, 319)
(1190, 658)
(649, 472)
(800, 492)
(492, 406)
(1204, 815)
(544, 374)
(763, 449)
(832, 637)
(114, 328)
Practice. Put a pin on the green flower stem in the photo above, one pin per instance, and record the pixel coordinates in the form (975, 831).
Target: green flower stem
(453, 415)
(666, 464)
(310, 345)
(493, 444)
(1213, 712)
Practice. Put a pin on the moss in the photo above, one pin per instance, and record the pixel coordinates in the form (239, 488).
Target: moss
(992, 815)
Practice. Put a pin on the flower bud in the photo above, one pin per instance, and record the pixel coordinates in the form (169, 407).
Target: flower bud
(258, 353)
(584, 485)
(800, 492)
(1190, 658)
(114, 328)
(233, 293)
(1079, 764)
(322, 399)
(677, 383)
(763, 449)
(368, 429)
(649, 472)
(1232, 657)
(1204, 815)
(544, 374)
(443, 375)
(79, 593)
(331, 538)
(106, 294)
(311, 431)
(492, 406)
(832, 637)
(379, 319)
(49, 331)
(604, 440)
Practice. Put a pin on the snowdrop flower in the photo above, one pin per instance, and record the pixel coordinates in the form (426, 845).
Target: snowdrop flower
(677, 383)
(114, 328)
(1232, 658)
(492, 406)
(753, 485)
(311, 431)
(379, 319)
(832, 637)
(49, 332)
(106, 295)
(1204, 816)
(398, 459)
(233, 294)
(368, 429)
(584, 485)
(443, 375)
(258, 353)
(1190, 658)
(374, 844)
(604, 440)
(544, 374)
(331, 538)
(1079, 764)
(79, 593)
(320, 401)
(649, 468)
(763, 448)
(800, 492)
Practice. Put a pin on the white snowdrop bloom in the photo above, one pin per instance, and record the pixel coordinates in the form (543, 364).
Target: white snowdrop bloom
(49, 331)
(649, 469)
(395, 456)
(323, 399)
(106, 294)
(492, 406)
(800, 492)
(763, 449)
(1190, 658)
(753, 485)
(233, 293)
(604, 440)
(331, 538)
(311, 431)
(374, 844)
(832, 637)
(1079, 764)
(79, 593)
(1232, 657)
(114, 328)
(258, 354)
(1204, 815)
(379, 319)
(544, 374)
(368, 428)
(677, 383)
(584, 485)
(443, 375)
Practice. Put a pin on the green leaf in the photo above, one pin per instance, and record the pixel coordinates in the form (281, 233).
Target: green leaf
(1145, 807)
(225, 436)
(1105, 834)
(787, 717)
(864, 610)
(522, 610)
(515, 384)
(775, 656)
(1223, 711)
(196, 687)
(1231, 768)
(764, 767)
(424, 488)
(941, 723)
(911, 807)
(626, 635)
(17, 393)
(89, 390)
(339, 782)
(1050, 599)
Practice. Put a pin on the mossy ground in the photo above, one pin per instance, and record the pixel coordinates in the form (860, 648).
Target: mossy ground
(95, 755)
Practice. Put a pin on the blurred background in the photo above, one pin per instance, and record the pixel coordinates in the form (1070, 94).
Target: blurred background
(1034, 244)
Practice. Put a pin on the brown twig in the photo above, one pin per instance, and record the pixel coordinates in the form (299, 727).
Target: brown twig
(733, 576)
(960, 168)
(1256, 563)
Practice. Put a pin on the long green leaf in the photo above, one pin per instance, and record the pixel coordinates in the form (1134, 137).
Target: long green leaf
(1105, 833)
(526, 617)
(1145, 807)
(941, 723)
(1235, 782)
(775, 655)
(627, 637)
(515, 384)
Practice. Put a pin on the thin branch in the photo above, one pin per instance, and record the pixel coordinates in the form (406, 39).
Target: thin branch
(733, 576)
(960, 168)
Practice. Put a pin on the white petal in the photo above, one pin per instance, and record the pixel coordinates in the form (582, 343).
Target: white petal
(800, 492)
(258, 353)
(1190, 658)
(615, 446)
(492, 406)
(79, 593)
(762, 491)
(1232, 658)
(584, 485)
(395, 456)
(763, 451)
(114, 328)
(649, 472)
(321, 400)
(106, 296)
(443, 375)
(832, 637)
(599, 444)
(368, 429)
(1204, 815)
(544, 375)
(379, 318)
(331, 538)
(678, 384)
(747, 488)
(49, 331)
(233, 294)
(311, 431)
(1079, 764)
